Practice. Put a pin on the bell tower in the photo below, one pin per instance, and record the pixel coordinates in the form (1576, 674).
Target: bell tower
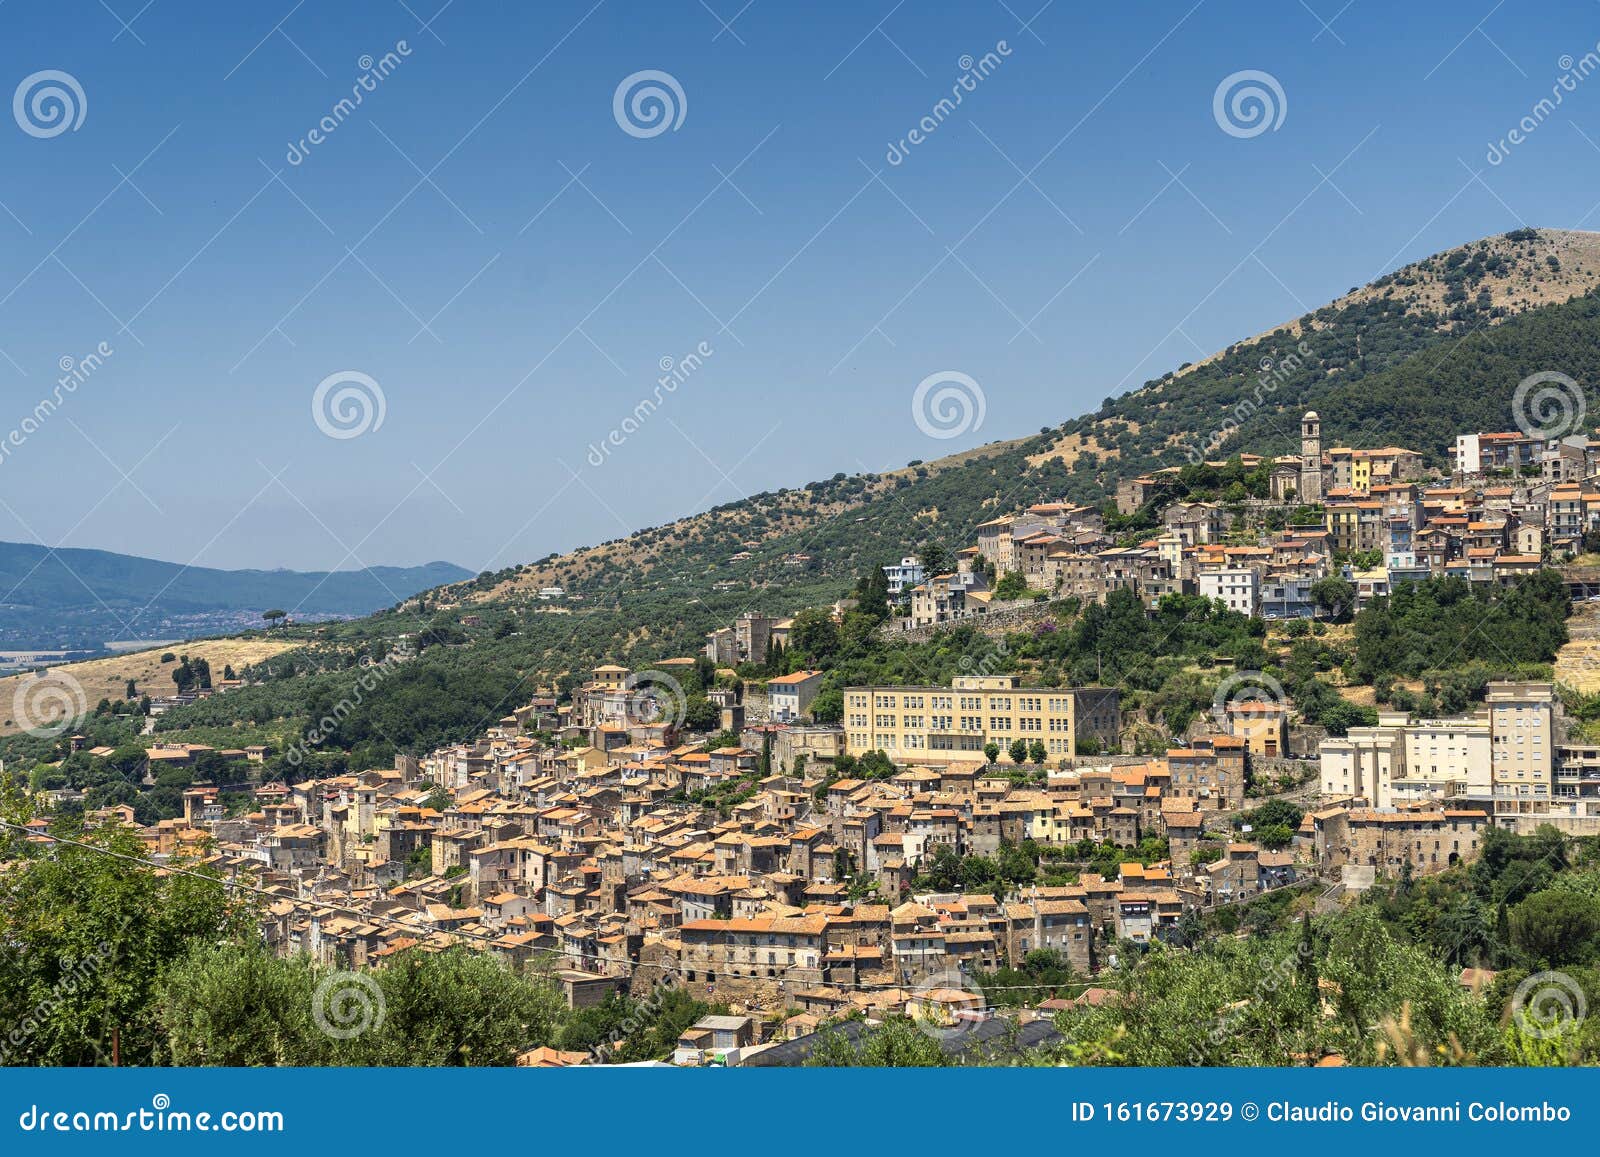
(1310, 458)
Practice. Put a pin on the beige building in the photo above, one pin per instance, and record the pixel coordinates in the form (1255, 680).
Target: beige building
(1443, 757)
(1522, 721)
(1401, 760)
(948, 597)
(1354, 765)
(1505, 751)
(939, 724)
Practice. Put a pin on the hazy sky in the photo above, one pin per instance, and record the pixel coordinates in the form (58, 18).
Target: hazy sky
(487, 245)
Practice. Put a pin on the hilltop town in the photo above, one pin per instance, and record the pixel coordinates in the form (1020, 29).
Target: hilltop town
(802, 852)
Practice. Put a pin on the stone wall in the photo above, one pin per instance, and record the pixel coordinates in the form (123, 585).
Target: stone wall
(1008, 617)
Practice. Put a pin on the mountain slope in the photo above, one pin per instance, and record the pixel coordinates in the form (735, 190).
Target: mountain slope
(1248, 396)
(1433, 302)
(1383, 365)
(74, 598)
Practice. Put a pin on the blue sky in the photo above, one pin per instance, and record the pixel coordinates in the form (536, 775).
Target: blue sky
(508, 267)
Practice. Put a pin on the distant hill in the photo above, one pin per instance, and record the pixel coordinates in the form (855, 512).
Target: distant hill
(69, 598)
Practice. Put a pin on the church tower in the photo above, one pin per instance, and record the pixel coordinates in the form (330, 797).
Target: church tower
(1310, 458)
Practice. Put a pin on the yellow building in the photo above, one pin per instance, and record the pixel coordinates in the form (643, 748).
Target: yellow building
(938, 724)
(1361, 473)
(1264, 727)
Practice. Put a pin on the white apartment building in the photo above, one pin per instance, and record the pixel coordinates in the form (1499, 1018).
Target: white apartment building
(1353, 766)
(1505, 750)
(905, 576)
(1442, 757)
(1400, 760)
(1237, 588)
(790, 696)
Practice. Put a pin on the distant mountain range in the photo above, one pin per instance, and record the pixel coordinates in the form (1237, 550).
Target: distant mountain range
(82, 599)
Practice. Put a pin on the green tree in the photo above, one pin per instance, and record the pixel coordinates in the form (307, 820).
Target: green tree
(1273, 836)
(933, 556)
(816, 636)
(128, 761)
(458, 1008)
(227, 1005)
(896, 1043)
(236, 1005)
(872, 594)
(1011, 586)
(1557, 927)
(88, 930)
(828, 706)
(1245, 1001)
(700, 714)
(1018, 751)
(1335, 597)
(1275, 811)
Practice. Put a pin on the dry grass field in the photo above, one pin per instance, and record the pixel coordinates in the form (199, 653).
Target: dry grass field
(1578, 663)
(108, 678)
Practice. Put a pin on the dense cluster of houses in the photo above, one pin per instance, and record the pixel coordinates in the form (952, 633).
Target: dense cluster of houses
(625, 853)
(601, 836)
(778, 887)
(1512, 501)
